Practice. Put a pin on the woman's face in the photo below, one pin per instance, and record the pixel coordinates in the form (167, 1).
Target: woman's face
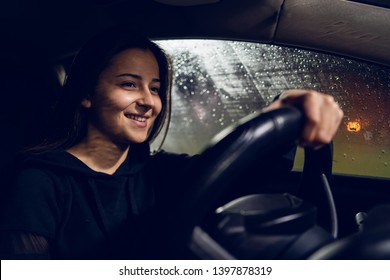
(126, 100)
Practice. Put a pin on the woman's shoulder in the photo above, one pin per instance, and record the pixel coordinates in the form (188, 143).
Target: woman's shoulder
(45, 171)
(29, 180)
(40, 169)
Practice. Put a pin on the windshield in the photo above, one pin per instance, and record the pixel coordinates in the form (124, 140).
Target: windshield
(218, 82)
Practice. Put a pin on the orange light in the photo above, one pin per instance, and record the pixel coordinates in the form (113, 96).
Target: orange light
(353, 126)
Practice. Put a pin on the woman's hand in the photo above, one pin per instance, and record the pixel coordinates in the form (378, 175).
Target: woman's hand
(323, 115)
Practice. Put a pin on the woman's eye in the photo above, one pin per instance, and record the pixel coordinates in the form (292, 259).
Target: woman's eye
(155, 90)
(128, 84)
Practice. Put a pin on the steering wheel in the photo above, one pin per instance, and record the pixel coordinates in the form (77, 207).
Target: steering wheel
(230, 153)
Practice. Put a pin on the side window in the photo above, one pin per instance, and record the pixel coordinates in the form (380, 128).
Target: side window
(219, 82)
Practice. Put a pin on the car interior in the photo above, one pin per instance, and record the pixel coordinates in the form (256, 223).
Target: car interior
(246, 205)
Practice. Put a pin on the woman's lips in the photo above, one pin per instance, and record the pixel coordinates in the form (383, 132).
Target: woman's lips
(140, 121)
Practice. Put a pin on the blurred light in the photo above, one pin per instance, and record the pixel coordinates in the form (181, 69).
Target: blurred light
(353, 126)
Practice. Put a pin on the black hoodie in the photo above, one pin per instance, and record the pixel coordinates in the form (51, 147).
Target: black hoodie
(87, 214)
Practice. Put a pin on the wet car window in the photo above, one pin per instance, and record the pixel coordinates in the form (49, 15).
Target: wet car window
(218, 82)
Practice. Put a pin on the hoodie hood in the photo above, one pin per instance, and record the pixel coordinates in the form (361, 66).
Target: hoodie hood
(62, 160)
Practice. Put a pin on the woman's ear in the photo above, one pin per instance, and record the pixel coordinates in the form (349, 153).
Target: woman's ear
(86, 103)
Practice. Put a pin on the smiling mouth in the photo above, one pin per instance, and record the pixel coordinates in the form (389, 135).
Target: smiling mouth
(136, 117)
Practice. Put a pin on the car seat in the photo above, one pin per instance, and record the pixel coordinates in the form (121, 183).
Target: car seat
(29, 88)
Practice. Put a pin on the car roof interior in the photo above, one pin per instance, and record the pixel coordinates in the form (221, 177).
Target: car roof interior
(358, 28)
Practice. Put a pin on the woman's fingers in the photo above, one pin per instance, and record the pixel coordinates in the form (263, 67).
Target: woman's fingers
(323, 115)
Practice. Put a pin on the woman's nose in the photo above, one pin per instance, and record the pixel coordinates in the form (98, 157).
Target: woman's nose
(146, 100)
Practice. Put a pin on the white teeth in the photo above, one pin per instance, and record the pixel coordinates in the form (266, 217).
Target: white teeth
(137, 118)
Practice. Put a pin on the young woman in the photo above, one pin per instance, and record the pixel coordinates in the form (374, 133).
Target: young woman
(89, 190)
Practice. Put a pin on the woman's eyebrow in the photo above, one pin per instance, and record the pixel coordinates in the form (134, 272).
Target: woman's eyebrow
(135, 76)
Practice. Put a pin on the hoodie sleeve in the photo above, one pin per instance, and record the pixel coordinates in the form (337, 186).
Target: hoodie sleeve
(17, 245)
(32, 204)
